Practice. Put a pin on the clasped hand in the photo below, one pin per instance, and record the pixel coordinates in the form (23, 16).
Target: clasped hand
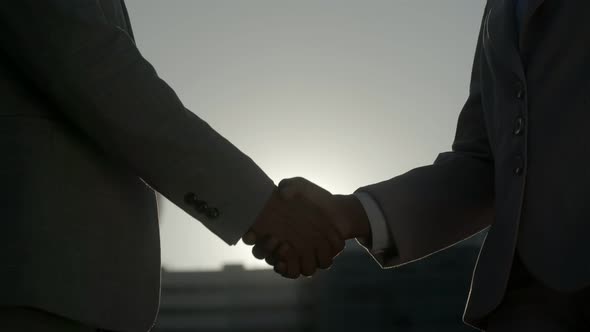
(303, 228)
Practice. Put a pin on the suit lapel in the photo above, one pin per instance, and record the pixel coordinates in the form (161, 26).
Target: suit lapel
(127, 21)
(500, 38)
(531, 9)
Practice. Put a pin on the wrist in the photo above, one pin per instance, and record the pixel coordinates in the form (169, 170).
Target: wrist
(352, 217)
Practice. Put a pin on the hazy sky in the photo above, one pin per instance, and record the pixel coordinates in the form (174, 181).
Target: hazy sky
(343, 92)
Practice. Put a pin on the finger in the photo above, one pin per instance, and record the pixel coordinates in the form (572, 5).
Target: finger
(283, 255)
(296, 240)
(333, 245)
(303, 238)
(293, 269)
(313, 202)
(308, 263)
(308, 242)
(266, 247)
(271, 260)
(249, 238)
(335, 240)
(317, 226)
(271, 246)
(330, 234)
(327, 264)
(258, 252)
(302, 187)
(323, 246)
(289, 188)
(293, 265)
(324, 256)
(285, 183)
(281, 268)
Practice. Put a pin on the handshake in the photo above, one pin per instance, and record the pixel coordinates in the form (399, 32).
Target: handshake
(303, 227)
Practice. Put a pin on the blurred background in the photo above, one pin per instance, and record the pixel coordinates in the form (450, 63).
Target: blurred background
(343, 92)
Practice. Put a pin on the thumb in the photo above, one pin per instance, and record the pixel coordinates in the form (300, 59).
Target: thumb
(249, 238)
(291, 188)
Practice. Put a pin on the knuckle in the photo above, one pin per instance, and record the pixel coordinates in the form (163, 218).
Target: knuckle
(299, 179)
(286, 183)
(270, 260)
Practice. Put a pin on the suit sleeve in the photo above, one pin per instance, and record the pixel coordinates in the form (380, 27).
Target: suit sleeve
(99, 82)
(433, 207)
(380, 239)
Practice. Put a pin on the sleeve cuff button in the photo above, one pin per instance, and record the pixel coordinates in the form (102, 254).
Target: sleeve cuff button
(201, 206)
(213, 213)
(190, 198)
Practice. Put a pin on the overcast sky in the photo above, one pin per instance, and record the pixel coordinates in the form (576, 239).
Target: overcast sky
(345, 93)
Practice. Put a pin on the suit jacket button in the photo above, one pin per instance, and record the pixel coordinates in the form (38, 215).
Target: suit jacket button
(518, 128)
(520, 91)
(201, 206)
(519, 166)
(190, 198)
(213, 213)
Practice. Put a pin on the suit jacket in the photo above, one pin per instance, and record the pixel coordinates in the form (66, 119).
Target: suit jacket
(88, 132)
(519, 163)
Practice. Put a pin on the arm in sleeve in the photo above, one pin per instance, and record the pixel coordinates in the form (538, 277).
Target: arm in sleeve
(433, 207)
(380, 241)
(93, 74)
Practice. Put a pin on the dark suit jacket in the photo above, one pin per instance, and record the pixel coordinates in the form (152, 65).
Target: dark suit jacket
(520, 160)
(88, 131)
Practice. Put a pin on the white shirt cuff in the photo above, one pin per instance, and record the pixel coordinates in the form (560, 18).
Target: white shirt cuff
(381, 239)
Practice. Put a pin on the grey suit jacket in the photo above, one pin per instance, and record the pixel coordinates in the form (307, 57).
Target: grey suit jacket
(519, 161)
(88, 132)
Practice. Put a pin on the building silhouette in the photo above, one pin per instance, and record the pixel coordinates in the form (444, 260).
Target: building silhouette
(355, 295)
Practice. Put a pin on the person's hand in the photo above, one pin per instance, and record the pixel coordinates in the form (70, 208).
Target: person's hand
(345, 212)
(296, 233)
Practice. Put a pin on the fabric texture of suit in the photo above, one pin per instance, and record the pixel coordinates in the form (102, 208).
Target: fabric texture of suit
(22, 319)
(519, 161)
(88, 133)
